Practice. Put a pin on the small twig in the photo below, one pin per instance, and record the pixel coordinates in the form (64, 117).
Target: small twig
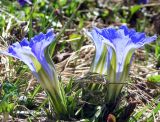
(96, 78)
(3, 41)
(150, 5)
(70, 40)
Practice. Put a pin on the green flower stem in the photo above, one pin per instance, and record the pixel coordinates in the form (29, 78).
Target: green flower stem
(113, 91)
(52, 87)
(55, 94)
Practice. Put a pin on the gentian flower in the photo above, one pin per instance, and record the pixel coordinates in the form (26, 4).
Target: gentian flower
(114, 50)
(143, 1)
(35, 54)
(23, 2)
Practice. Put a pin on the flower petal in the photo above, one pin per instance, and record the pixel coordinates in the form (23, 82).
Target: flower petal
(38, 45)
(23, 2)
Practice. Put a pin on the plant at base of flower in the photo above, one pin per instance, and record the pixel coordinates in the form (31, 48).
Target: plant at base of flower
(35, 54)
(114, 50)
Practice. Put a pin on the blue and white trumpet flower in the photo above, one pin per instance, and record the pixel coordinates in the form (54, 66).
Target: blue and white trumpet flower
(114, 50)
(34, 53)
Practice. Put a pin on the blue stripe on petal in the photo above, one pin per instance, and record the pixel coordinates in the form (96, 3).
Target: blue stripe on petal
(108, 33)
(127, 31)
(138, 37)
(146, 40)
(50, 33)
(24, 42)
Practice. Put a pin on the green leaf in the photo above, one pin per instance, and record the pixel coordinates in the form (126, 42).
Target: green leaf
(154, 79)
(36, 90)
(97, 114)
(84, 120)
(8, 88)
(134, 9)
(62, 2)
(139, 114)
(6, 107)
(157, 109)
(68, 87)
(76, 41)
